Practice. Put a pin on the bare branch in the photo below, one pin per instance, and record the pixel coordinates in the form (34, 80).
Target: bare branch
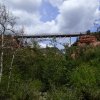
(7, 23)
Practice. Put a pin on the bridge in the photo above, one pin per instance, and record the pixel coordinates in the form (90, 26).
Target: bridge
(51, 35)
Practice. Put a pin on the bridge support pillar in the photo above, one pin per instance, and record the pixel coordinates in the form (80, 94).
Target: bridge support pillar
(70, 41)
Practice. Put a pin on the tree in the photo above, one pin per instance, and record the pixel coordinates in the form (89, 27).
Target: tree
(88, 32)
(7, 23)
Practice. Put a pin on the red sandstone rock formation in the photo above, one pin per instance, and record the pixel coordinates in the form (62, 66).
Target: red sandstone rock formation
(94, 44)
(87, 40)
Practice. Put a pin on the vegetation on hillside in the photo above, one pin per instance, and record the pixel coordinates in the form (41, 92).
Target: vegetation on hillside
(52, 74)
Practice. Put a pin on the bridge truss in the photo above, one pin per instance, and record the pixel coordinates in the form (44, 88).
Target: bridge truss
(50, 40)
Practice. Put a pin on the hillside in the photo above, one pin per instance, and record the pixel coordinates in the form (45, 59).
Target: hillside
(49, 74)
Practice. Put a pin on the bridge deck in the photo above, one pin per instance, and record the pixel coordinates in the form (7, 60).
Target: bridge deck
(50, 36)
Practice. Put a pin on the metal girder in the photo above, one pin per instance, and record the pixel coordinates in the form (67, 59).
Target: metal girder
(49, 36)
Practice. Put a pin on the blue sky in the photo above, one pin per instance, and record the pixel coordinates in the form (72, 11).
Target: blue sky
(48, 12)
(54, 16)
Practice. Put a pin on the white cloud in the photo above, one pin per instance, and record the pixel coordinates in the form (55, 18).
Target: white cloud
(44, 45)
(74, 15)
(47, 27)
(26, 19)
(27, 5)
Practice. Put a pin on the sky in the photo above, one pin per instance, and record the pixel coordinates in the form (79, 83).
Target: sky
(53, 16)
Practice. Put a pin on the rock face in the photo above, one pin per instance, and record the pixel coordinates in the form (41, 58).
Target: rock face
(83, 41)
(95, 44)
(87, 40)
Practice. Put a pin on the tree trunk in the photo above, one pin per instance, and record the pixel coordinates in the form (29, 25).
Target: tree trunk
(1, 63)
(11, 66)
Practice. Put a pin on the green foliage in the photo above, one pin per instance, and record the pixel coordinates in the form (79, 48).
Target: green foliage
(84, 77)
(49, 74)
(62, 93)
(28, 91)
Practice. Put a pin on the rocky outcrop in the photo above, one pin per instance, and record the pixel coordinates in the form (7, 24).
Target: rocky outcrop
(82, 42)
(87, 40)
(95, 44)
